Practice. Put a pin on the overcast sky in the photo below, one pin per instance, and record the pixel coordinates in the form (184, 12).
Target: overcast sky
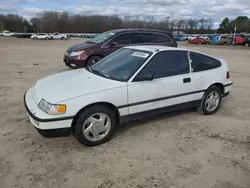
(216, 9)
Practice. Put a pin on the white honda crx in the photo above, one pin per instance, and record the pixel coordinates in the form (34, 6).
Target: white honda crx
(133, 81)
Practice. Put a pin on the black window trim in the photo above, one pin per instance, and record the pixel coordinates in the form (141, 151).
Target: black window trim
(190, 61)
(134, 32)
(154, 33)
(132, 78)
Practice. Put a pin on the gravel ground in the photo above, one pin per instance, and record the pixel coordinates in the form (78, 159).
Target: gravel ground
(181, 149)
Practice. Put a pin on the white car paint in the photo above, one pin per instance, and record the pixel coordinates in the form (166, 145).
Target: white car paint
(41, 36)
(59, 36)
(80, 88)
(204, 37)
(192, 37)
(6, 34)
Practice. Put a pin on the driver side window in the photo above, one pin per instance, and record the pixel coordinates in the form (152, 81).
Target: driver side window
(167, 63)
(123, 39)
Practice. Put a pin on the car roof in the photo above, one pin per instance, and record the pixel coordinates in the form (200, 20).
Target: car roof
(158, 48)
(136, 29)
(155, 48)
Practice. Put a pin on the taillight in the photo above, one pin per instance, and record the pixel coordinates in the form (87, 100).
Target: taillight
(228, 74)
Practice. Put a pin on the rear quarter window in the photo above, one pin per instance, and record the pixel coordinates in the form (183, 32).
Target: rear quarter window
(200, 62)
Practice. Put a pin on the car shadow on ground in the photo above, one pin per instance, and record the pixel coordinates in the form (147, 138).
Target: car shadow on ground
(124, 127)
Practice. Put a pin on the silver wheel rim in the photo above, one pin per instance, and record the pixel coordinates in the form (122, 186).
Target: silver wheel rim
(212, 101)
(96, 127)
(247, 45)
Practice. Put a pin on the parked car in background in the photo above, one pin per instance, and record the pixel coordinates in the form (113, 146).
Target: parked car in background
(6, 33)
(246, 42)
(199, 41)
(88, 53)
(191, 37)
(43, 36)
(59, 36)
(129, 83)
(204, 37)
(238, 40)
(180, 37)
(215, 39)
(23, 35)
(226, 39)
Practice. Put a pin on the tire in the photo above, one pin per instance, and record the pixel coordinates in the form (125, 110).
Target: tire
(34, 38)
(92, 60)
(46, 38)
(204, 107)
(247, 45)
(63, 38)
(85, 119)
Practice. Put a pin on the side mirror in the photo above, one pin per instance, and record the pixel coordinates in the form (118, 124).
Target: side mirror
(113, 44)
(144, 77)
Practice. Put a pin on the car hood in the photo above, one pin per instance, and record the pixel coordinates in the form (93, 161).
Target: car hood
(80, 46)
(71, 84)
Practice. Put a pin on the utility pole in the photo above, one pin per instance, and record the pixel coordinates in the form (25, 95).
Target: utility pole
(234, 35)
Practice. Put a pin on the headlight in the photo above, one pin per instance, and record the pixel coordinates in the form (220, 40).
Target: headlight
(52, 108)
(76, 53)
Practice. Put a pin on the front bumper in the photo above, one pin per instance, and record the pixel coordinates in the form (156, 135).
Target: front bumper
(73, 63)
(47, 126)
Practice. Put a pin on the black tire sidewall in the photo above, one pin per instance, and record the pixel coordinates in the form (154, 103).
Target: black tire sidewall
(203, 102)
(86, 114)
(89, 63)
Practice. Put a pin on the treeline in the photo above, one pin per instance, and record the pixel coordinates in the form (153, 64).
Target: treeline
(51, 21)
(65, 22)
(242, 24)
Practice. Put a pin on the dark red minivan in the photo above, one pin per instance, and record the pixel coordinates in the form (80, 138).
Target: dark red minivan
(88, 53)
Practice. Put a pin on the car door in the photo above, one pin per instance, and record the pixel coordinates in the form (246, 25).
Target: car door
(117, 42)
(172, 84)
(41, 36)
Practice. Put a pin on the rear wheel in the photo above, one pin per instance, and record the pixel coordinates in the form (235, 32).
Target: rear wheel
(63, 38)
(211, 101)
(92, 60)
(95, 125)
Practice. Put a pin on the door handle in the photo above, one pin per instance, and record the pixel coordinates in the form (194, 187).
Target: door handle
(186, 80)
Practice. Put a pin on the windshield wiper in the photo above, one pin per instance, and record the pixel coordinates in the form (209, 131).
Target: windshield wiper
(100, 73)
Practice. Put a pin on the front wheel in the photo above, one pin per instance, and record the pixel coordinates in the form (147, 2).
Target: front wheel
(211, 100)
(93, 60)
(95, 125)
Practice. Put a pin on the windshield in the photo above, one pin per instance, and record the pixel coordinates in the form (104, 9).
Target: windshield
(121, 65)
(101, 38)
